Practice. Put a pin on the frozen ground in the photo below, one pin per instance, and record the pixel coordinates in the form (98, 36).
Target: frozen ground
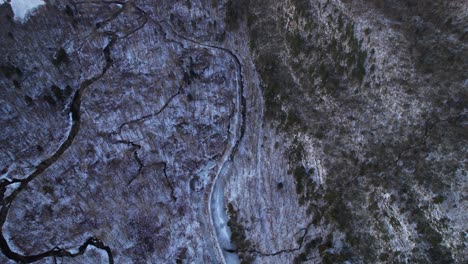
(346, 143)
(23, 8)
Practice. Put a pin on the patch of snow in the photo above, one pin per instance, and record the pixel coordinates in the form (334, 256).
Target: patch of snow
(231, 257)
(23, 8)
(465, 83)
(10, 168)
(11, 188)
(70, 122)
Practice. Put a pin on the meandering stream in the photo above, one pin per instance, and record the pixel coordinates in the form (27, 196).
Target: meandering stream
(216, 208)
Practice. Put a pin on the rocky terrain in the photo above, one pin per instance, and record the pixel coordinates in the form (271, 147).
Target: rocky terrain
(234, 131)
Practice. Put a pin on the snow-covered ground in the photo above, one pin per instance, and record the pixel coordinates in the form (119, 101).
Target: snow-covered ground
(23, 8)
(220, 218)
(216, 206)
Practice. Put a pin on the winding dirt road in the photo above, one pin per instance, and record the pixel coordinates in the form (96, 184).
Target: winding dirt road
(216, 209)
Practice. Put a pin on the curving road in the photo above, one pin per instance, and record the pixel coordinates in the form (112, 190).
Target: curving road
(216, 208)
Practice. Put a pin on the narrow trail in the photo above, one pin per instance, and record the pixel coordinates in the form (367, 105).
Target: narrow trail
(216, 210)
